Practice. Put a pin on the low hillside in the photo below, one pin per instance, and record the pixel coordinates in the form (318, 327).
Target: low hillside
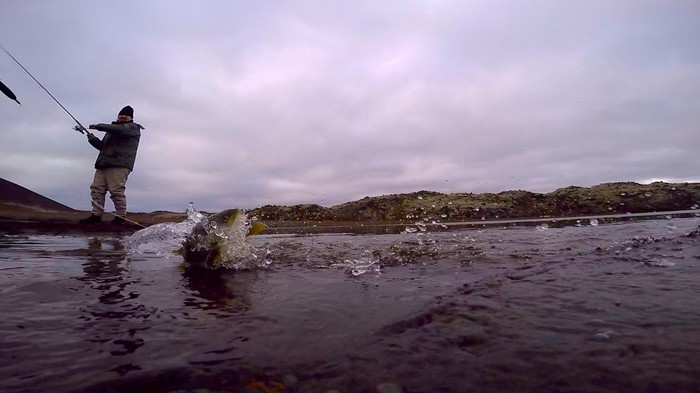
(14, 194)
(19, 203)
(608, 198)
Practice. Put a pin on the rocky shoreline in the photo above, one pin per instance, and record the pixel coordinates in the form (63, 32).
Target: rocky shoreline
(399, 209)
(608, 198)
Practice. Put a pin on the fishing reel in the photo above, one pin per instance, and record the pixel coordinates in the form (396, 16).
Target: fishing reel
(80, 129)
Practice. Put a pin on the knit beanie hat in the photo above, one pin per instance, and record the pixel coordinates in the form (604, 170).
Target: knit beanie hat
(127, 111)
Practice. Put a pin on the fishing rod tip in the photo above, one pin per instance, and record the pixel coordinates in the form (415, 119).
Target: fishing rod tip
(17, 101)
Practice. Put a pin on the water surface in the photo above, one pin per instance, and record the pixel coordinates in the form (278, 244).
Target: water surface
(608, 308)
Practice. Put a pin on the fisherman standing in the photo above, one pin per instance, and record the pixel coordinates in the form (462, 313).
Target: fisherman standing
(114, 163)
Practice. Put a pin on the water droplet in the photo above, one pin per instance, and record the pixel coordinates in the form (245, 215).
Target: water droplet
(660, 263)
(356, 267)
(603, 335)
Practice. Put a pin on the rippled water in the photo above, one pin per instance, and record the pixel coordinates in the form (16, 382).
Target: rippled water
(613, 307)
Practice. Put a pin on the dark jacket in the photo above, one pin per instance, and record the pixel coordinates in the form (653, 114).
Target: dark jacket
(119, 145)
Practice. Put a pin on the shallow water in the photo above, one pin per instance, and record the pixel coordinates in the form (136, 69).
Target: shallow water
(608, 308)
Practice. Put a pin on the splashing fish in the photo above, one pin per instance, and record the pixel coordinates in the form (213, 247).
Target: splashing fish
(209, 243)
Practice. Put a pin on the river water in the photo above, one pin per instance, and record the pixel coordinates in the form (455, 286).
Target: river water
(612, 307)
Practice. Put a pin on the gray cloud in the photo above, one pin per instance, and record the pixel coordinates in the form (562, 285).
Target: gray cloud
(325, 102)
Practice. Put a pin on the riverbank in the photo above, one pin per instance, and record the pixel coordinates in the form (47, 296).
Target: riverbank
(394, 213)
(62, 224)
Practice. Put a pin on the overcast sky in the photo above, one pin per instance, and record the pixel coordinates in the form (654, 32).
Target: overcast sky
(287, 102)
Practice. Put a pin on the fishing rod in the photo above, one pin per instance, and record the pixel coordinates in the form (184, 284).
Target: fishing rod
(80, 128)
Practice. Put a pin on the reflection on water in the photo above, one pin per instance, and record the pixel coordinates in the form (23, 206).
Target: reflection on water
(611, 307)
(105, 271)
(105, 268)
(227, 290)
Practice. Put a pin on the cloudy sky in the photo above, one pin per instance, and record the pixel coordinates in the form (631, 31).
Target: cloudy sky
(287, 102)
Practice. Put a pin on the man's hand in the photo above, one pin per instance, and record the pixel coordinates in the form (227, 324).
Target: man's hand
(92, 126)
(91, 136)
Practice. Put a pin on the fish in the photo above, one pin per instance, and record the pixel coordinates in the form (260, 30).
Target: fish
(203, 247)
(6, 90)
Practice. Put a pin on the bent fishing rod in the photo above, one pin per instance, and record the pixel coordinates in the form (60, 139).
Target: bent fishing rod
(80, 128)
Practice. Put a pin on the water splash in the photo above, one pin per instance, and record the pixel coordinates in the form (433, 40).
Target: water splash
(193, 214)
(368, 263)
(163, 239)
(659, 262)
(604, 334)
(236, 252)
(167, 238)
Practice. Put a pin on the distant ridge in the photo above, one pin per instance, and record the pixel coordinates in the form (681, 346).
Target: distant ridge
(18, 195)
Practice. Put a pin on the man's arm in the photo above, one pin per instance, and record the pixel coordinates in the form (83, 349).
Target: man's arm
(94, 141)
(126, 129)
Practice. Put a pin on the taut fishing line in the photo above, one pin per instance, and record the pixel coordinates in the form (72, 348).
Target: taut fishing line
(80, 128)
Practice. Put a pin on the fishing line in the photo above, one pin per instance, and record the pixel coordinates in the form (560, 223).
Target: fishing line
(124, 218)
(80, 127)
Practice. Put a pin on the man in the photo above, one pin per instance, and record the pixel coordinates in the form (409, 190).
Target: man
(114, 163)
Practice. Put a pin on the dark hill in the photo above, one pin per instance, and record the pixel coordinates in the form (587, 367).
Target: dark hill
(12, 193)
